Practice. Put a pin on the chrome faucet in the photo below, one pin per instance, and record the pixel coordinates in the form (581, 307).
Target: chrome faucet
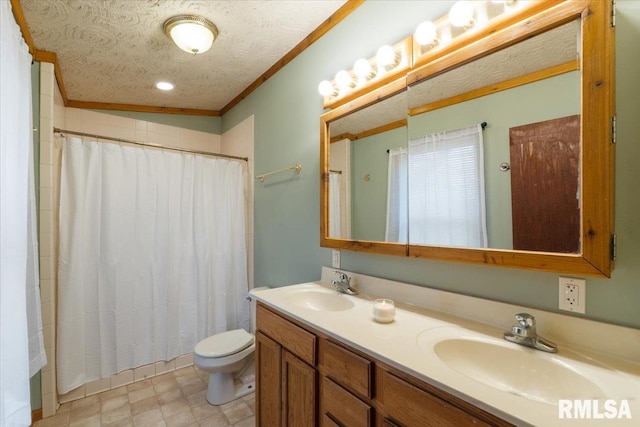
(343, 284)
(524, 333)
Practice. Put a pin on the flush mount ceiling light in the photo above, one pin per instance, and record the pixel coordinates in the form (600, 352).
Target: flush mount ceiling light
(191, 33)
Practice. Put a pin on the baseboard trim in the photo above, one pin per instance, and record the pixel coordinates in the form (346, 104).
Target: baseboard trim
(36, 415)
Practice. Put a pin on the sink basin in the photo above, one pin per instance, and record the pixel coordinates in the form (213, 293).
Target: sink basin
(320, 300)
(520, 371)
(482, 356)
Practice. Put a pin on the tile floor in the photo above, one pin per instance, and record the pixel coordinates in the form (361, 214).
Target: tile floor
(169, 400)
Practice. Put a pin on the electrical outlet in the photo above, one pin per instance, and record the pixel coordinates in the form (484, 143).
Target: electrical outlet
(335, 258)
(572, 294)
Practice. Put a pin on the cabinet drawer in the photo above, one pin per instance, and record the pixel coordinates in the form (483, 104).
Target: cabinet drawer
(346, 368)
(341, 407)
(408, 405)
(295, 339)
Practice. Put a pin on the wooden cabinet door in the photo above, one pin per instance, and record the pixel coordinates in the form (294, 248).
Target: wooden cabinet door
(298, 392)
(268, 380)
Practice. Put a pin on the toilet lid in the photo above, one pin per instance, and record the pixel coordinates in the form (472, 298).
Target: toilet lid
(224, 344)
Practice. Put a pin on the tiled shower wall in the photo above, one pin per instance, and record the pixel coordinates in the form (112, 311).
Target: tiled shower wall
(48, 234)
(54, 113)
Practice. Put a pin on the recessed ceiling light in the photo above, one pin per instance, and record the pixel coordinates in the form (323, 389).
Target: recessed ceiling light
(164, 85)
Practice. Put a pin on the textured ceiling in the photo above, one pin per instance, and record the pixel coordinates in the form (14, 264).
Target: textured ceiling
(114, 51)
(554, 47)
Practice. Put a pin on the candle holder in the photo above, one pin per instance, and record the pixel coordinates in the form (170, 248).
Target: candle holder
(384, 310)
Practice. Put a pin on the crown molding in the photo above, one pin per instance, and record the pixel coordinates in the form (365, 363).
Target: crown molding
(140, 108)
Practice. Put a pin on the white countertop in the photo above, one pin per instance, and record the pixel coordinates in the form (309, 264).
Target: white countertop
(407, 344)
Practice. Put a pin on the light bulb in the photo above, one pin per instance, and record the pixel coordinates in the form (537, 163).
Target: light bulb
(362, 69)
(461, 14)
(344, 80)
(326, 89)
(386, 57)
(426, 34)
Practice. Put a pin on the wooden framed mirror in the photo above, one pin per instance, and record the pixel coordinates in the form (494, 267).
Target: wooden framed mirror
(579, 86)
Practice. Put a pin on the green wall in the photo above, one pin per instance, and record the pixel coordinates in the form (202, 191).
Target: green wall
(200, 123)
(369, 198)
(287, 214)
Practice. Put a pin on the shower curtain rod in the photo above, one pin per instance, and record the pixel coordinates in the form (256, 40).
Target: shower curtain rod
(146, 144)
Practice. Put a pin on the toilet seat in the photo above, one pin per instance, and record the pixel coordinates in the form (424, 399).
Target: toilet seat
(224, 344)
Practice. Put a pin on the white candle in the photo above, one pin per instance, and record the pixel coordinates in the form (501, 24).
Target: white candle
(384, 310)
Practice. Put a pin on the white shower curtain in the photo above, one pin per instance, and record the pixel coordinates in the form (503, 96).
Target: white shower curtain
(152, 257)
(21, 345)
(397, 229)
(334, 206)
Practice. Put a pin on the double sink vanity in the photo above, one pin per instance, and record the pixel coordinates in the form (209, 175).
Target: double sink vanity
(321, 359)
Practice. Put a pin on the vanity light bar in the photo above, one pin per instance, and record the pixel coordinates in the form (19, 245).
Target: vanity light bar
(389, 61)
(465, 18)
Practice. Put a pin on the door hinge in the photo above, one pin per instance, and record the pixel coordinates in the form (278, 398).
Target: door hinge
(613, 13)
(614, 247)
(613, 130)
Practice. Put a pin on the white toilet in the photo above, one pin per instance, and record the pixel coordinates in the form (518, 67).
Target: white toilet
(228, 357)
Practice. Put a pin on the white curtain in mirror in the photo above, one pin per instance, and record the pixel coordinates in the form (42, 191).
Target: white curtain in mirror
(334, 205)
(446, 189)
(152, 257)
(340, 164)
(397, 197)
